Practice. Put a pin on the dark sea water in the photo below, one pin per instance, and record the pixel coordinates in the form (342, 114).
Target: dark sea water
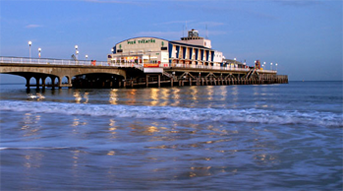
(253, 137)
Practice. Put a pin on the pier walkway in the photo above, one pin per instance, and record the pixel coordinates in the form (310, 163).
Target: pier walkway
(99, 74)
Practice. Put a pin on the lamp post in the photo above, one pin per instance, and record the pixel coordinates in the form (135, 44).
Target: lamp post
(86, 57)
(30, 43)
(271, 66)
(76, 52)
(276, 66)
(39, 50)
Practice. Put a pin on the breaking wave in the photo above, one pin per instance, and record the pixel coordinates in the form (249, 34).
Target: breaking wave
(312, 118)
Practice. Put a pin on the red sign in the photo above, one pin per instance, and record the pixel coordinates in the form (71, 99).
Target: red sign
(93, 62)
(151, 65)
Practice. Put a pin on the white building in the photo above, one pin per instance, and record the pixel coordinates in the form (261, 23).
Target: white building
(152, 51)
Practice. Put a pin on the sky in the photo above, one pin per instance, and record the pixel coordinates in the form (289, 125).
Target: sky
(304, 37)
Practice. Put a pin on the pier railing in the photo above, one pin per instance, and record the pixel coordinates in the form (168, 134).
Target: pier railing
(48, 61)
(23, 60)
(208, 67)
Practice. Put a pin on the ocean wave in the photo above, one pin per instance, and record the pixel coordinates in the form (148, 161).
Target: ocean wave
(41, 148)
(313, 118)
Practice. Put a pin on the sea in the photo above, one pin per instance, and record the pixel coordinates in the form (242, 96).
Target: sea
(236, 137)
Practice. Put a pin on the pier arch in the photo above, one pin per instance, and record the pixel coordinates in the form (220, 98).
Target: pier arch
(58, 73)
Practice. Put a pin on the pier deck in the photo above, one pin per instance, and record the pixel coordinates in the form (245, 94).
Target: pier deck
(88, 74)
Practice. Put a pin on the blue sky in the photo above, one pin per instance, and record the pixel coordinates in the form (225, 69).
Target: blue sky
(303, 37)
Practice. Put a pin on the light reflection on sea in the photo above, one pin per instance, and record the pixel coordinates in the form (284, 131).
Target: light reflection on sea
(201, 138)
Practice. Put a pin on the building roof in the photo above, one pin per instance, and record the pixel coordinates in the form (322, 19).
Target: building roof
(141, 37)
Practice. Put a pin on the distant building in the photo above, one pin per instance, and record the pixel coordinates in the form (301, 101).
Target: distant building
(234, 63)
(192, 50)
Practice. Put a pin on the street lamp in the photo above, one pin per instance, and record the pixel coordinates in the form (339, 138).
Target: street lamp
(39, 50)
(30, 43)
(76, 51)
(86, 57)
(276, 66)
(271, 66)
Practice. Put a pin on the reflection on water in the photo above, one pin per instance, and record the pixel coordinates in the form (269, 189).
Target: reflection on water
(165, 96)
(210, 92)
(131, 96)
(113, 97)
(30, 125)
(78, 97)
(154, 96)
(176, 97)
(234, 94)
(77, 122)
(53, 150)
(193, 96)
(223, 93)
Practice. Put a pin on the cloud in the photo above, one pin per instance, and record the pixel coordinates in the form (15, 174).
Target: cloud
(31, 26)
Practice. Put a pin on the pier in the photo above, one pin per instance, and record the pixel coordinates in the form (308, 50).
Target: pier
(104, 74)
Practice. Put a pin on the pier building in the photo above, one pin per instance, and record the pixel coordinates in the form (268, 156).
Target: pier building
(154, 52)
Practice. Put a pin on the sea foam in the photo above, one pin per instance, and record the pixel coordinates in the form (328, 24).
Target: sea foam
(312, 118)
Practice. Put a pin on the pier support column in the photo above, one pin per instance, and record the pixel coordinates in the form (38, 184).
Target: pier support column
(171, 82)
(37, 82)
(199, 79)
(190, 81)
(70, 85)
(59, 82)
(147, 80)
(53, 78)
(28, 82)
(159, 80)
(43, 82)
